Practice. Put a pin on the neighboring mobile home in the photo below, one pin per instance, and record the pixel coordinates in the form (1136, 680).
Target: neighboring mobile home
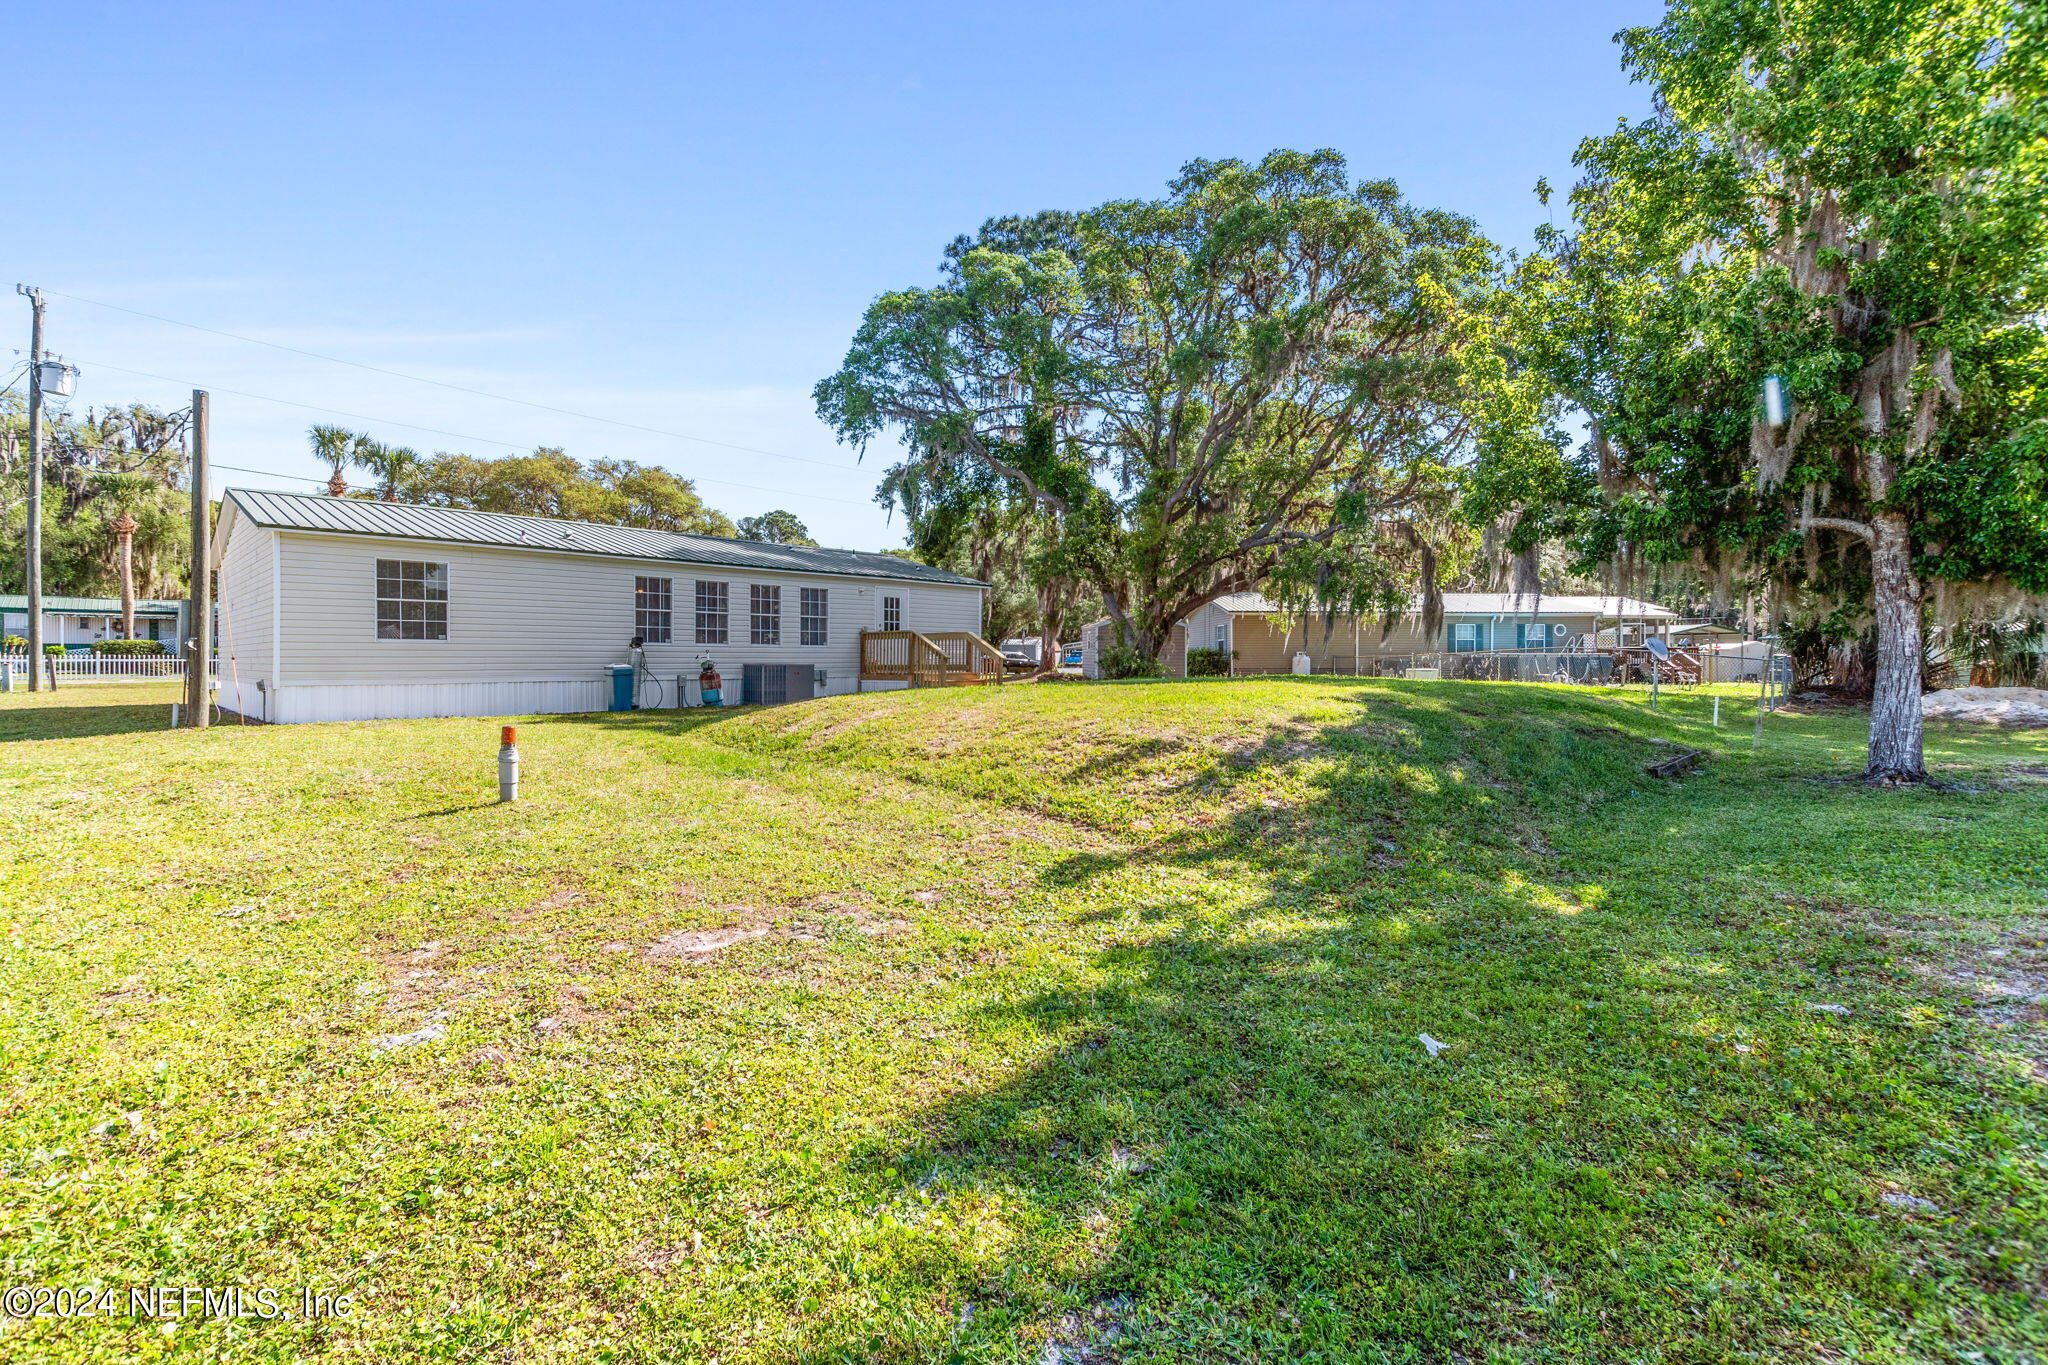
(348, 609)
(77, 622)
(1262, 638)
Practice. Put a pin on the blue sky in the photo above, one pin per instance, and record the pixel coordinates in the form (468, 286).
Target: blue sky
(673, 215)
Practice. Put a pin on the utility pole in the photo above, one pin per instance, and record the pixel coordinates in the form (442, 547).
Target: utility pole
(198, 707)
(34, 575)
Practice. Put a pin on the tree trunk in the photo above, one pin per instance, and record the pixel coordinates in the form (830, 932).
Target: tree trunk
(124, 531)
(1895, 717)
(1048, 646)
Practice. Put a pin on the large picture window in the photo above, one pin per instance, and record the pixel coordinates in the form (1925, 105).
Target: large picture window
(712, 613)
(653, 609)
(765, 613)
(412, 600)
(812, 616)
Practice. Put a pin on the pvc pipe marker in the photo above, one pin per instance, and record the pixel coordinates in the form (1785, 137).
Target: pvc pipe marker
(508, 763)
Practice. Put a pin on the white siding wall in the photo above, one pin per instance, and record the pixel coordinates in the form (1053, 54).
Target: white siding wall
(532, 631)
(244, 616)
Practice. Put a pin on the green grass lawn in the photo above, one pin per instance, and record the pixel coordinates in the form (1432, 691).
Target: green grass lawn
(1072, 1023)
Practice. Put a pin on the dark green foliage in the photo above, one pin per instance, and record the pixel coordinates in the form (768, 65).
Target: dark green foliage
(96, 466)
(128, 647)
(1208, 663)
(1120, 661)
(1852, 198)
(776, 528)
(1253, 382)
(547, 483)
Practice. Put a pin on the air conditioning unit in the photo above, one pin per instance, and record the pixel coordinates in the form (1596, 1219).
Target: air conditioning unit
(773, 684)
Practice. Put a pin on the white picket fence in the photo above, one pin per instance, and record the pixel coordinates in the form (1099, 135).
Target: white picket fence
(80, 666)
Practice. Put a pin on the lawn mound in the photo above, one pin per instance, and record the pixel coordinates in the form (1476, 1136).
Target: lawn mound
(1327, 759)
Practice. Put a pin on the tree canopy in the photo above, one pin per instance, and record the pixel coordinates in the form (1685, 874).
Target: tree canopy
(776, 528)
(1251, 382)
(546, 483)
(96, 467)
(1845, 200)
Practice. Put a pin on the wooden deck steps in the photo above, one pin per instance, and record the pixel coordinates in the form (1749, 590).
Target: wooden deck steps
(939, 658)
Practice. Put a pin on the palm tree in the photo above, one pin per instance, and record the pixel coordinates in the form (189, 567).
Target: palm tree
(392, 465)
(125, 527)
(335, 445)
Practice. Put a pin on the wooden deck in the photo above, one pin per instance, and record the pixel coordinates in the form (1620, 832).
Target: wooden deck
(940, 658)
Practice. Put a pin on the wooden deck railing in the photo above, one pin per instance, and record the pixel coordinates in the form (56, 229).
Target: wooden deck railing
(938, 658)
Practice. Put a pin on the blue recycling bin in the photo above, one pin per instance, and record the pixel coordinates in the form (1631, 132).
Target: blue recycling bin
(622, 687)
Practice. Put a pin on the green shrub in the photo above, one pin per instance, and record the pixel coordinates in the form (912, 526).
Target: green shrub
(14, 644)
(128, 647)
(1125, 661)
(55, 651)
(1208, 663)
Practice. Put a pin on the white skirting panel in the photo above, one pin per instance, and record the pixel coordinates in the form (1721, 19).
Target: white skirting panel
(409, 701)
(240, 695)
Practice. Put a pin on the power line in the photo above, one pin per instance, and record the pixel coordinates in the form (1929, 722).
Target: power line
(443, 384)
(310, 407)
(267, 473)
(414, 426)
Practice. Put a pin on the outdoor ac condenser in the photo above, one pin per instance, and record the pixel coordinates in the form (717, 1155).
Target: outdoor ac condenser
(773, 684)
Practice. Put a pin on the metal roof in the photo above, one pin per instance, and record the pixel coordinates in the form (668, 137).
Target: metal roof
(89, 606)
(365, 517)
(1499, 604)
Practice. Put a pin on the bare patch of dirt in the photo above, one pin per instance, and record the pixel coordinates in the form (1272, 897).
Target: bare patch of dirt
(1087, 1336)
(1296, 741)
(659, 1258)
(698, 943)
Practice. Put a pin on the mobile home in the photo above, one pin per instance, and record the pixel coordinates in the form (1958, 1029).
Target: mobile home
(335, 608)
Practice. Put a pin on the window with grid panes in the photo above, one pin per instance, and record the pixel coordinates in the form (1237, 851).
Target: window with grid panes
(812, 615)
(653, 609)
(711, 613)
(765, 613)
(412, 600)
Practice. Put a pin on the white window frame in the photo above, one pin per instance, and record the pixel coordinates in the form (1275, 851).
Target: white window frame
(436, 568)
(721, 632)
(654, 624)
(1466, 637)
(813, 627)
(892, 607)
(771, 632)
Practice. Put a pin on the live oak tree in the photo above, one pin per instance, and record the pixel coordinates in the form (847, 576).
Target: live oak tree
(776, 528)
(1251, 382)
(1848, 198)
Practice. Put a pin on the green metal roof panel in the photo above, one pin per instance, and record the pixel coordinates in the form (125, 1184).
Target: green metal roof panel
(364, 517)
(89, 606)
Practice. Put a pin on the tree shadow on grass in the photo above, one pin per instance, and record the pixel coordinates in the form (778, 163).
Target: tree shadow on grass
(1235, 1145)
(79, 721)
